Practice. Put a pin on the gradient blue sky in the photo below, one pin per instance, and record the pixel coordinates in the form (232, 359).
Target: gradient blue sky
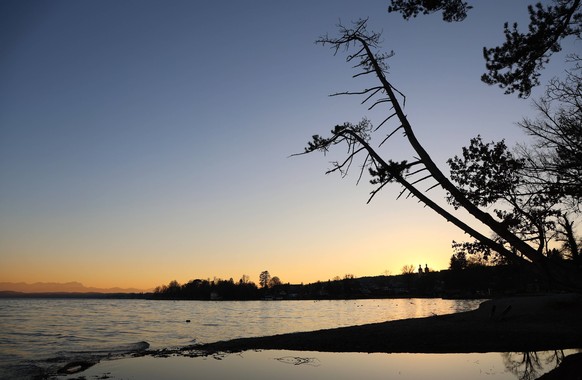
(145, 141)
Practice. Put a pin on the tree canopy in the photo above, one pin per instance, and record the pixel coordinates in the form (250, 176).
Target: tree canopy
(453, 10)
(516, 64)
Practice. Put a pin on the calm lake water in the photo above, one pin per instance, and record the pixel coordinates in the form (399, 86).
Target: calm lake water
(40, 333)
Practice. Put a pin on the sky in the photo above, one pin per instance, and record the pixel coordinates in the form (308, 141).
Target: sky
(149, 141)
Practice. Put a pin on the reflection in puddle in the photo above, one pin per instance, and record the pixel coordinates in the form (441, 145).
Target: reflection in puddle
(531, 365)
(283, 365)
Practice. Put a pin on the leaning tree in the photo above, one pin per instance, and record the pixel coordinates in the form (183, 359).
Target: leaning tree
(471, 191)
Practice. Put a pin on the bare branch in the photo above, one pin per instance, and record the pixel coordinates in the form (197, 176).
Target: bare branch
(371, 95)
(375, 89)
(364, 166)
(416, 172)
(401, 94)
(387, 137)
(385, 120)
(380, 101)
(402, 192)
(376, 191)
(363, 73)
(421, 179)
(352, 56)
(432, 187)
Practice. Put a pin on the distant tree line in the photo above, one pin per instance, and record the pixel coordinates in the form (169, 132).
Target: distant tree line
(207, 290)
(219, 289)
(474, 279)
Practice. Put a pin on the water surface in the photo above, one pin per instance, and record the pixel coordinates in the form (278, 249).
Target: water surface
(39, 333)
(290, 365)
(41, 328)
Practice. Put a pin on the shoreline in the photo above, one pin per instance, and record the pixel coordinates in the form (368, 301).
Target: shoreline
(536, 323)
(517, 324)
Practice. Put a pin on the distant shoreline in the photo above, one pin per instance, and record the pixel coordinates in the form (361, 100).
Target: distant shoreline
(7, 294)
(149, 297)
(479, 282)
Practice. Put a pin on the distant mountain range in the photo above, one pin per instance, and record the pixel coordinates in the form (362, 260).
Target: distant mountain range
(54, 287)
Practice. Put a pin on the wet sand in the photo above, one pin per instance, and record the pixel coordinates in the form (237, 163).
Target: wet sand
(518, 324)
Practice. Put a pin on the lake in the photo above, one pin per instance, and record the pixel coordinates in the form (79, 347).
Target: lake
(41, 333)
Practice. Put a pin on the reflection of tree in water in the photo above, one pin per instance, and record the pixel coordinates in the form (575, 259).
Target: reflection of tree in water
(527, 365)
(555, 358)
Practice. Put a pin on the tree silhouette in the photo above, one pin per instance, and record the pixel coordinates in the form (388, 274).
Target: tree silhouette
(274, 281)
(408, 269)
(458, 261)
(555, 161)
(420, 174)
(453, 10)
(264, 279)
(516, 64)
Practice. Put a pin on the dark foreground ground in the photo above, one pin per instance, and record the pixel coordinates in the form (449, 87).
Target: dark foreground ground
(537, 323)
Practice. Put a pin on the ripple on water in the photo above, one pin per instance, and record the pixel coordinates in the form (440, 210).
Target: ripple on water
(45, 328)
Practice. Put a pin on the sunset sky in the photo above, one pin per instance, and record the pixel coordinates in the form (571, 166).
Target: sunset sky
(146, 141)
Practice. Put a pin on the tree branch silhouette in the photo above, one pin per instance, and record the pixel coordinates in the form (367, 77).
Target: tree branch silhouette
(358, 138)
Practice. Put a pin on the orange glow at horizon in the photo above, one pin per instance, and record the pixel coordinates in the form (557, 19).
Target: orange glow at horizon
(307, 267)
